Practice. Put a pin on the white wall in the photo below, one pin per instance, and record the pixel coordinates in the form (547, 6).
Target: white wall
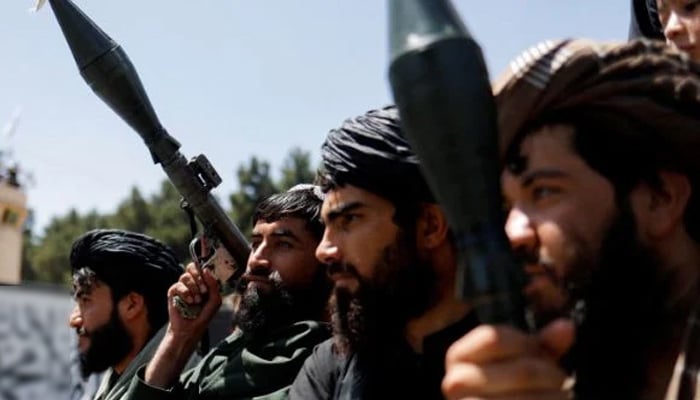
(35, 343)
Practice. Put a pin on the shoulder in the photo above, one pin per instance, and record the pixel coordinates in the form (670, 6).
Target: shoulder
(300, 334)
(286, 348)
(325, 353)
(319, 377)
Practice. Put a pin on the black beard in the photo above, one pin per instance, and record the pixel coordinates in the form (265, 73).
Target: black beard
(374, 316)
(109, 344)
(622, 310)
(260, 312)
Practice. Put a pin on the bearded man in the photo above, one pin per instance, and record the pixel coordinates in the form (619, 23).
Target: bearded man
(600, 143)
(279, 313)
(393, 263)
(120, 282)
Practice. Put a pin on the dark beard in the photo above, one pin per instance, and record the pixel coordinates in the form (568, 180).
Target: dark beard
(622, 310)
(374, 316)
(260, 312)
(109, 344)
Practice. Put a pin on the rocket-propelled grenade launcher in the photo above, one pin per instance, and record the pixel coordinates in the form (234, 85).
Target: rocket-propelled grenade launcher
(108, 71)
(441, 87)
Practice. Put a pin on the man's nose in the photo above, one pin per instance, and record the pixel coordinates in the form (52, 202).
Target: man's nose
(674, 27)
(520, 231)
(328, 251)
(76, 319)
(259, 259)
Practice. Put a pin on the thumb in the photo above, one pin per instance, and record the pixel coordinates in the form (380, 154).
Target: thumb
(557, 337)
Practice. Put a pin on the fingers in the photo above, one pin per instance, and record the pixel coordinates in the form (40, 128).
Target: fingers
(557, 337)
(505, 378)
(197, 287)
(214, 300)
(488, 343)
(196, 275)
(501, 362)
(522, 396)
(190, 287)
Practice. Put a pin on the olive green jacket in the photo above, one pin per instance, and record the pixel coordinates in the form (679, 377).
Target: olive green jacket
(118, 388)
(242, 367)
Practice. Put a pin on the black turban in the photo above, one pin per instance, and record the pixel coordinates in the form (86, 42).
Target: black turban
(371, 152)
(126, 258)
(645, 14)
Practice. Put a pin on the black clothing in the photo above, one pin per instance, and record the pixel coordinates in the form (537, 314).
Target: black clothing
(393, 372)
(371, 152)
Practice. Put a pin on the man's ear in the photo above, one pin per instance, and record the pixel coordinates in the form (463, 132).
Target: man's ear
(661, 209)
(432, 228)
(131, 305)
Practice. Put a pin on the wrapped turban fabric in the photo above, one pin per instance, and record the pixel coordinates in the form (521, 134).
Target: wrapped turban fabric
(372, 153)
(127, 259)
(647, 82)
(645, 20)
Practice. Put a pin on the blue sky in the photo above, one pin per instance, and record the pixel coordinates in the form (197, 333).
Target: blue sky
(228, 78)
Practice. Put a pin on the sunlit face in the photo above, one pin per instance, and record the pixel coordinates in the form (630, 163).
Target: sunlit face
(359, 227)
(283, 280)
(286, 248)
(380, 280)
(560, 210)
(680, 20)
(92, 311)
(103, 340)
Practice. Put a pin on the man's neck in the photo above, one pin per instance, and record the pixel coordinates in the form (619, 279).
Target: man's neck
(446, 312)
(662, 361)
(138, 343)
(682, 272)
(662, 358)
(122, 365)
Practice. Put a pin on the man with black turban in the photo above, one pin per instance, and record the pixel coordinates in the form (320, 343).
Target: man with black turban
(392, 260)
(600, 146)
(120, 284)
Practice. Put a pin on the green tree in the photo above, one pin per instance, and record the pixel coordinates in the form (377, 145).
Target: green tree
(255, 184)
(27, 271)
(168, 221)
(50, 257)
(160, 217)
(46, 257)
(132, 214)
(296, 169)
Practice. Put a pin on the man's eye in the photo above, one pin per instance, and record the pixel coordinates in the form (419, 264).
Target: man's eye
(284, 245)
(690, 6)
(254, 244)
(347, 219)
(543, 192)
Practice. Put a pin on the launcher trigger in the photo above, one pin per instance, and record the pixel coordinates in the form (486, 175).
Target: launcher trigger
(201, 252)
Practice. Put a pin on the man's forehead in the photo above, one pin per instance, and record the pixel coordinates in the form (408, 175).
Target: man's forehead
(282, 226)
(559, 135)
(342, 196)
(86, 287)
(547, 145)
(661, 3)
